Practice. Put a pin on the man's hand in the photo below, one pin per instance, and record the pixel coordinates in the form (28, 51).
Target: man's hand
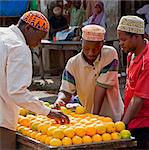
(58, 103)
(58, 116)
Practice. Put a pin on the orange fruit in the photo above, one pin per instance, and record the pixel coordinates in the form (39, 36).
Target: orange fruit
(119, 126)
(96, 138)
(55, 142)
(106, 137)
(90, 130)
(80, 110)
(66, 141)
(80, 131)
(100, 128)
(47, 140)
(69, 132)
(25, 122)
(38, 136)
(76, 140)
(50, 130)
(110, 126)
(58, 133)
(115, 136)
(86, 139)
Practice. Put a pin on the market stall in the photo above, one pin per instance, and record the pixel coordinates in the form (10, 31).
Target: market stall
(26, 143)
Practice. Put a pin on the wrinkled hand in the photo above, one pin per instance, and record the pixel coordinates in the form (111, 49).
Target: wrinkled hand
(58, 103)
(58, 116)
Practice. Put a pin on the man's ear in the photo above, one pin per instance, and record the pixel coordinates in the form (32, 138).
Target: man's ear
(27, 27)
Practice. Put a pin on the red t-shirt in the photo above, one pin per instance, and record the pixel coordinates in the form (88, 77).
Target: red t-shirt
(137, 84)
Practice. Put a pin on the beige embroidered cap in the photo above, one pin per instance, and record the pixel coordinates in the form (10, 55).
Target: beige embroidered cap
(133, 24)
(93, 33)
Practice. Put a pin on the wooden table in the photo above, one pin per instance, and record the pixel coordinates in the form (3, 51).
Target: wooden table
(26, 143)
(62, 46)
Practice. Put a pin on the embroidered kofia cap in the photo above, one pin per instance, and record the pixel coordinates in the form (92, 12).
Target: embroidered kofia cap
(37, 20)
(133, 24)
(93, 33)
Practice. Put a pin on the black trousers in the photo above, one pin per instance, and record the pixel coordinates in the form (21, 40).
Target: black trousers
(142, 137)
(7, 139)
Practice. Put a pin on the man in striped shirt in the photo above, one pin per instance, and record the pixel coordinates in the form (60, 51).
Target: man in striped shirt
(93, 76)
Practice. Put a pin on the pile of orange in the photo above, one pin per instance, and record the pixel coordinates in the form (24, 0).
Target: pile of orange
(83, 128)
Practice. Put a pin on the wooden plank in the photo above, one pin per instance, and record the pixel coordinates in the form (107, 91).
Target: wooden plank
(26, 143)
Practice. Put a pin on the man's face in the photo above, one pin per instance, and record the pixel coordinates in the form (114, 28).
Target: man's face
(91, 49)
(33, 36)
(127, 42)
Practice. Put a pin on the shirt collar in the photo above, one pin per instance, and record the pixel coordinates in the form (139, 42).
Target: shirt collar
(85, 64)
(137, 58)
(15, 29)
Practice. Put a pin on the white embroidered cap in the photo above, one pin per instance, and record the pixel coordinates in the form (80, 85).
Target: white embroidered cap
(133, 24)
(93, 33)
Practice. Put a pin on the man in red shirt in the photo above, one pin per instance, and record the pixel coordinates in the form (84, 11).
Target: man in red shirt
(130, 32)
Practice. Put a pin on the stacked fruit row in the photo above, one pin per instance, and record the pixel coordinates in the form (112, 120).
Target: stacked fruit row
(83, 128)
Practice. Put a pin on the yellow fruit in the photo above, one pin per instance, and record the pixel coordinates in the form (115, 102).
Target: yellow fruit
(43, 128)
(106, 137)
(50, 130)
(119, 126)
(100, 128)
(96, 138)
(77, 140)
(90, 130)
(65, 110)
(55, 142)
(110, 126)
(86, 139)
(115, 136)
(58, 133)
(20, 129)
(125, 134)
(80, 131)
(66, 141)
(47, 140)
(23, 111)
(34, 126)
(80, 110)
(46, 104)
(69, 132)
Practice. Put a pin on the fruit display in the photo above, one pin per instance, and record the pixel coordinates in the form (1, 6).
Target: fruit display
(83, 128)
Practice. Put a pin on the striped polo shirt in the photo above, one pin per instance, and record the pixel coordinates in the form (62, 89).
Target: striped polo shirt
(81, 78)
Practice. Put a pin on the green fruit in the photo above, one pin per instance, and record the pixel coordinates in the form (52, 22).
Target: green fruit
(46, 104)
(125, 134)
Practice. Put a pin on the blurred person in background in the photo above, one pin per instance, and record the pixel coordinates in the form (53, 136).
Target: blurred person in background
(58, 22)
(98, 17)
(77, 13)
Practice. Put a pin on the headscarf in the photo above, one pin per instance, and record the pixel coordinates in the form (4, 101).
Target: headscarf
(96, 18)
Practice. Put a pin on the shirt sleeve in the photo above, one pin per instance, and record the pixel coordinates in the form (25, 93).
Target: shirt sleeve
(109, 73)
(68, 79)
(142, 85)
(19, 75)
